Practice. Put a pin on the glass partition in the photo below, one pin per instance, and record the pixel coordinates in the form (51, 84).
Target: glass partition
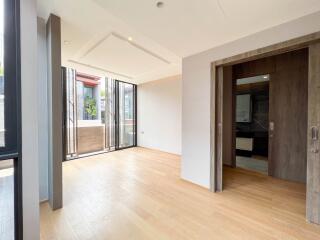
(110, 114)
(100, 114)
(2, 127)
(126, 115)
(10, 123)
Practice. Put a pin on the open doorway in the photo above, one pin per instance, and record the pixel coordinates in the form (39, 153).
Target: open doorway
(262, 129)
(279, 135)
(262, 126)
(251, 123)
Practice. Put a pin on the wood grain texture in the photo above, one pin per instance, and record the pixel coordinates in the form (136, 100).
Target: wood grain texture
(219, 141)
(213, 128)
(313, 166)
(91, 139)
(138, 194)
(228, 117)
(278, 48)
(288, 110)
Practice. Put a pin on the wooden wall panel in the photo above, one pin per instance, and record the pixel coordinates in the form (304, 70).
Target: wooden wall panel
(225, 140)
(91, 139)
(218, 185)
(288, 111)
(228, 115)
(313, 166)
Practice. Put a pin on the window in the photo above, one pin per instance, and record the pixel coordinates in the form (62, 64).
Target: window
(100, 115)
(126, 114)
(10, 123)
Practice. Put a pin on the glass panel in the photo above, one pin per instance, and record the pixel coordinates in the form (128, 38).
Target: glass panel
(6, 200)
(2, 128)
(90, 118)
(126, 115)
(71, 118)
(252, 123)
(110, 114)
(92, 108)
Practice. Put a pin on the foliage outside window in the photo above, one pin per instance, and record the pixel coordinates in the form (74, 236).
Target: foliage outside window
(90, 105)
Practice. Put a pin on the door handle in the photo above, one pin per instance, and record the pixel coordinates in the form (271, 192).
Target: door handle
(314, 139)
(271, 129)
(271, 126)
(314, 133)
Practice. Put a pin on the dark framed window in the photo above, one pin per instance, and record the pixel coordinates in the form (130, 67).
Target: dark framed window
(114, 125)
(126, 114)
(10, 80)
(10, 117)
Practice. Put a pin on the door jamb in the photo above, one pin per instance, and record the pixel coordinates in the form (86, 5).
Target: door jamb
(216, 169)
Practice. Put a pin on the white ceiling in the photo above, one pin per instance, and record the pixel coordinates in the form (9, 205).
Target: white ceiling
(98, 31)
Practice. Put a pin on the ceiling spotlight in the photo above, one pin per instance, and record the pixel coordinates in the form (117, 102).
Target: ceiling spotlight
(160, 4)
(130, 39)
(265, 77)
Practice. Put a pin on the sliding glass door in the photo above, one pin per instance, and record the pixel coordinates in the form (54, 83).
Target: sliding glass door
(70, 112)
(126, 114)
(110, 114)
(100, 114)
(10, 123)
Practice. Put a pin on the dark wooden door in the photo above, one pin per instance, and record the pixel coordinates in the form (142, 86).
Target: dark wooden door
(313, 170)
(288, 116)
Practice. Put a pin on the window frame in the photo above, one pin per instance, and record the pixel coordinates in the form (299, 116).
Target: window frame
(12, 105)
(117, 115)
(12, 90)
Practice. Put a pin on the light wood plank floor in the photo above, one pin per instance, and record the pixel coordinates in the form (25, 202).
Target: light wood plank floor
(138, 194)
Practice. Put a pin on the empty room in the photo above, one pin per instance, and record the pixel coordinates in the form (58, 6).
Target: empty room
(156, 119)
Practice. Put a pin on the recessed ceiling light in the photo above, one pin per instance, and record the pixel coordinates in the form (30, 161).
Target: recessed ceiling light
(265, 77)
(130, 39)
(160, 4)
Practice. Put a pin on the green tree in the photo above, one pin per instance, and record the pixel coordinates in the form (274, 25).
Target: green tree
(90, 106)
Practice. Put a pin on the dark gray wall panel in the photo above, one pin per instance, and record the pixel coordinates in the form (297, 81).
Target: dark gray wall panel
(55, 100)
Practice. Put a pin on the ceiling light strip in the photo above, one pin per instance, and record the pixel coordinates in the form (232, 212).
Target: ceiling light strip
(100, 69)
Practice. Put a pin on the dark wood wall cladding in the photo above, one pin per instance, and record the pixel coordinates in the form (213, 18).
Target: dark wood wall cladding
(287, 109)
(228, 115)
(313, 179)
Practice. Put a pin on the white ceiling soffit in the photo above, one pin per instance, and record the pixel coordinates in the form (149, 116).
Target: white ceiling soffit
(122, 56)
(97, 31)
(187, 27)
(95, 42)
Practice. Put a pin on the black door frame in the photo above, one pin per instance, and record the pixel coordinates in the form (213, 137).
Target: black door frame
(12, 105)
(117, 115)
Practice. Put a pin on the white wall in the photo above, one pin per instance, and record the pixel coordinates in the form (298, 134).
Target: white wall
(196, 92)
(42, 110)
(30, 125)
(159, 114)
